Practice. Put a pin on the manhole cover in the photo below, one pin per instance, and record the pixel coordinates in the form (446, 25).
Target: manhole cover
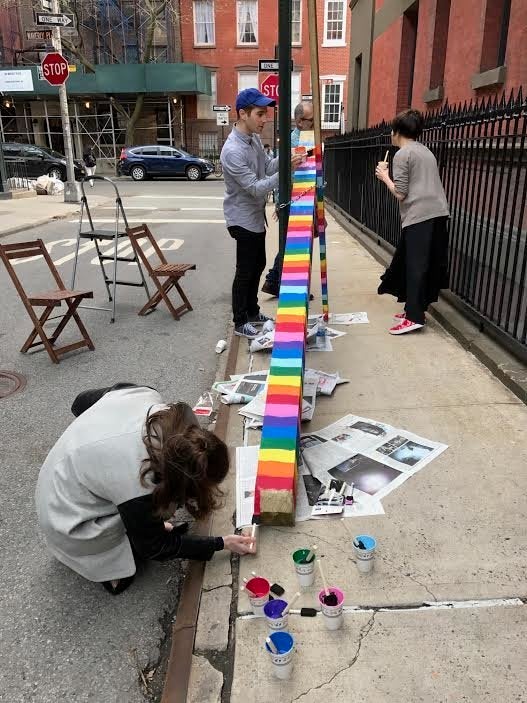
(10, 383)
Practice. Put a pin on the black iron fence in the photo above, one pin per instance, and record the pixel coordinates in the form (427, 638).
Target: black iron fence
(480, 150)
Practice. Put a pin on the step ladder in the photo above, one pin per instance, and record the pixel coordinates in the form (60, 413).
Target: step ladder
(99, 237)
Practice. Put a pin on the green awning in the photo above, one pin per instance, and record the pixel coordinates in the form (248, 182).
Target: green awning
(129, 79)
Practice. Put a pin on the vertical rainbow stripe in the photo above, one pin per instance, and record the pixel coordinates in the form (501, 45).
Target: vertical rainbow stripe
(321, 229)
(274, 501)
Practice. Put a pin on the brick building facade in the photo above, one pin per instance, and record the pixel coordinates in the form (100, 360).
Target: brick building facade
(426, 52)
(230, 37)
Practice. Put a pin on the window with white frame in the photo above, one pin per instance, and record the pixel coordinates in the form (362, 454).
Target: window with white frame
(205, 102)
(247, 79)
(334, 23)
(295, 92)
(247, 20)
(296, 25)
(332, 101)
(204, 29)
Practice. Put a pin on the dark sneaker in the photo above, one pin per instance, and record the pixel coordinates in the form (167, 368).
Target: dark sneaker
(260, 319)
(270, 289)
(246, 330)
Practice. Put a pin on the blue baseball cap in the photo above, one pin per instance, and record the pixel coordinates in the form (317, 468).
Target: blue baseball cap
(252, 96)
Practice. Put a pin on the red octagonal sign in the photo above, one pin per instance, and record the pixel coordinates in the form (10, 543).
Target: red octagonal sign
(55, 68)
(269, 87)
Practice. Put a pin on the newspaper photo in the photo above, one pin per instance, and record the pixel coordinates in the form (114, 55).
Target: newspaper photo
(375, 457)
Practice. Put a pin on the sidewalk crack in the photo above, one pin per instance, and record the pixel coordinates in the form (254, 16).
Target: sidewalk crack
(409, 576)
(364, 632)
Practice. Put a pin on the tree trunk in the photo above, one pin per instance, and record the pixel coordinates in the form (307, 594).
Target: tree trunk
(134, 119)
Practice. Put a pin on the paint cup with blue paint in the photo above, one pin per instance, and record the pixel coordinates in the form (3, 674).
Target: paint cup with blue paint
(274, 614)
(281, 646)
(364, 548)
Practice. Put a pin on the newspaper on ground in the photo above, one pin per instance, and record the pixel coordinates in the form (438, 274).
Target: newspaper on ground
(264, 342)
(309, 398)
(313, 344)
(375, 457)
(349, 318)
(326, 382)
(224, 386)
(251, 376)
(246, 468)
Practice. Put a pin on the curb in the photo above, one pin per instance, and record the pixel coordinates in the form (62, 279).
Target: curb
(501, 363)
(176, 685)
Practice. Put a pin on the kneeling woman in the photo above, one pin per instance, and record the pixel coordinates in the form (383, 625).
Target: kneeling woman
(117, 473)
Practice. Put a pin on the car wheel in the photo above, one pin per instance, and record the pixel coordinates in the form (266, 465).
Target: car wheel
(193, 173)
(138, 173)
(56, 173)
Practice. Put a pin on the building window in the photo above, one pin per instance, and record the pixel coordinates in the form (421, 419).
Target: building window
(495, 34)
(247, 79)
(205, 102)
(334, 23)
(247, 21)
(204, 34)
(332, 101)
(407, 58)
(296, 94)
(296, 27)
(442, 18)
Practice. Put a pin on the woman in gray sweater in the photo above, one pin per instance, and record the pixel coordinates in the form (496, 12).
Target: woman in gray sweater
(108, 487)
(419, 269)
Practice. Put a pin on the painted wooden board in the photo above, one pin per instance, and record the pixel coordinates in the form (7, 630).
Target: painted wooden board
(277, 462)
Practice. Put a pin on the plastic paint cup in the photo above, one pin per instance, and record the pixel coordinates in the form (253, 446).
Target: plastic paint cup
(365, 557)
(283, 661)
(260, 587)
(333, 617)
(305, 572)
(221, 346)
(273, 614)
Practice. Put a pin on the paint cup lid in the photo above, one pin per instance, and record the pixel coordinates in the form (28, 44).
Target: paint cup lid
(368, 541)
(300, 555)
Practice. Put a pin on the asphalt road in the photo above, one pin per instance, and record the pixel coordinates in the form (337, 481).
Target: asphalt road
(61, 637)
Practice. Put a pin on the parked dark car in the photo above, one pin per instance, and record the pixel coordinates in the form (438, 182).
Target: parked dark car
(40, 161)
(141, 162)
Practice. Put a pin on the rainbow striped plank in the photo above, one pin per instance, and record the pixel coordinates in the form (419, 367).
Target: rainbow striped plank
(274, 502)
(321, 229)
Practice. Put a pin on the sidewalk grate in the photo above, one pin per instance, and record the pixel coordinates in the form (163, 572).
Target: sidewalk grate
(11, 383)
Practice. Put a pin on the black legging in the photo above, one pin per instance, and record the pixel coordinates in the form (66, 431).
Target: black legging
(88, 398)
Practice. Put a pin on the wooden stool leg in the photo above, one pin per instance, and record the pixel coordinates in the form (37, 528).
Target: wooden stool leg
(183, 296)
(39, 330)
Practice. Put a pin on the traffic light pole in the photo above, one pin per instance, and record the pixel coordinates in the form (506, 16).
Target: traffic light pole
(71, 189)
(284, 117)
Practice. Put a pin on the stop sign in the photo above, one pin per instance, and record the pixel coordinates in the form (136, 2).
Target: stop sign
(55, 68)
(269, 87)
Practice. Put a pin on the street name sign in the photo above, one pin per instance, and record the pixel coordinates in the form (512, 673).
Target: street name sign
(38, 34)
(55, 68)
(270, 65)
(44, 19)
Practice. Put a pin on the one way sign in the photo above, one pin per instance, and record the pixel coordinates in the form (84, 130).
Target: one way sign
(44, 19)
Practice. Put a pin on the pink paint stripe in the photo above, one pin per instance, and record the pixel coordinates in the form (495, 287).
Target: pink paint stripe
(294, 276)
(288, 336)
(275, 410)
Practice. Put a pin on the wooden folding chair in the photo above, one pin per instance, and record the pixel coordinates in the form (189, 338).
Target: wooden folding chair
(171, 272)
(49, 300)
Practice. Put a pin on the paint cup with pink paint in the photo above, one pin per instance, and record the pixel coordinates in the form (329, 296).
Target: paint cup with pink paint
(331, 604)
(304, 561)
(274, 613)
(281, 646)
(258, 591)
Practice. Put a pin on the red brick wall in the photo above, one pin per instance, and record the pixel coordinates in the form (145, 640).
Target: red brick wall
(9, 33)
(384, 74)
(226, 58)
(463, 57)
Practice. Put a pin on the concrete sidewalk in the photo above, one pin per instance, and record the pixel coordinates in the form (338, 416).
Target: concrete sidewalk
(453, 532)
(17, 215)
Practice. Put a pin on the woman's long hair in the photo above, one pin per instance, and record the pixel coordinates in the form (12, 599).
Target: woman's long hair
(185, 463)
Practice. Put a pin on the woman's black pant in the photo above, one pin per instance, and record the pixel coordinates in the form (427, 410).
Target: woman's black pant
(87, 398)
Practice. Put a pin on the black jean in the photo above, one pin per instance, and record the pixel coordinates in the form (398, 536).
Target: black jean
(426, 259)
(250, 264)
(88, 398)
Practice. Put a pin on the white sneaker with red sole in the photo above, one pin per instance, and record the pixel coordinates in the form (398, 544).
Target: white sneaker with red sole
(405, 326)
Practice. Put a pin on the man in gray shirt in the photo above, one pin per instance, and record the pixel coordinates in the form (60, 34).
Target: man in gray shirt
(249, 175)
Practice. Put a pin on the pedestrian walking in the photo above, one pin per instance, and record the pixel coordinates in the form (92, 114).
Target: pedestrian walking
(108, 487)
(90, 163)
(419, 269)
(249, 175)
(303, 122)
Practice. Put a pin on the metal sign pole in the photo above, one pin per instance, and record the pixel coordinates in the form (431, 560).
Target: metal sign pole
(284, 116)
(71, 188)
